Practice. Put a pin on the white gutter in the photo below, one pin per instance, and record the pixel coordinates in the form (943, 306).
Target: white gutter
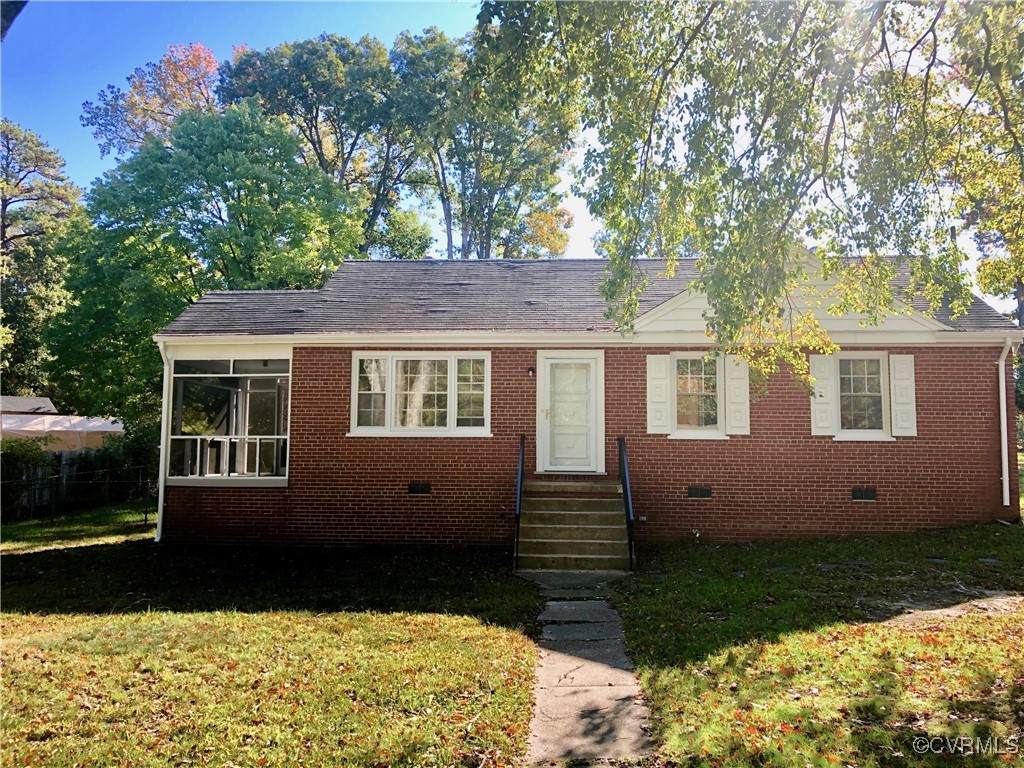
(165, 430)
(1004, 448)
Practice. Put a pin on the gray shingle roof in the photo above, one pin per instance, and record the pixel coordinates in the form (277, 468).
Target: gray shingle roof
(244, 313)
(980, 317)
(12, 404)
(453, 296)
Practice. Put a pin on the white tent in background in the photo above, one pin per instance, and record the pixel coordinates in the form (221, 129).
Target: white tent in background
(66, 433)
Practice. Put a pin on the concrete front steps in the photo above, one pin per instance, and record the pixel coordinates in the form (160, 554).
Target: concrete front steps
(572, 526)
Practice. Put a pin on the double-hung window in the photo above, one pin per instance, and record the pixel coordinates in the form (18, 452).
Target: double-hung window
(863, 396)
(697, 393)
(229, 419)
(420, 393)
(696, 396)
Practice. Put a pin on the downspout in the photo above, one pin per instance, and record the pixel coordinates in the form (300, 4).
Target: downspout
(1004, 446)
(165, 430)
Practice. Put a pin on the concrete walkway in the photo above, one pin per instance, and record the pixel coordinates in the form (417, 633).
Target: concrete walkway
(587, 702)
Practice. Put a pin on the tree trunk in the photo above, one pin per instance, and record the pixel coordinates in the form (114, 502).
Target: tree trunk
(468, 244)
(380, 196)
(443, 195)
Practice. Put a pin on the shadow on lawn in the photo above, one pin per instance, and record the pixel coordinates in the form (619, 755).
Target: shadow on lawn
(738, 635)
(718, 596)
(137, 576)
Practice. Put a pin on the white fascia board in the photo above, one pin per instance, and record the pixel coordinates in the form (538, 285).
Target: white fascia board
(947, 338)
(212, 347)
(865, 338)
(219, 347)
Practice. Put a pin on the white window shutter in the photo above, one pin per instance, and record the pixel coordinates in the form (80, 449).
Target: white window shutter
(825, 400)
(903, 398)
(659, 389)
(737, 396)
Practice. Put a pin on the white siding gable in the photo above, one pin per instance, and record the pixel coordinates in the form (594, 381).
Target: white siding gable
(686, 312)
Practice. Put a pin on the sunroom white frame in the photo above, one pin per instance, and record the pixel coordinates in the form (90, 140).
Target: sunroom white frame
(230, 352)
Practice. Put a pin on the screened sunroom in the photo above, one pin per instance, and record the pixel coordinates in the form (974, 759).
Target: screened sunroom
(229, 418)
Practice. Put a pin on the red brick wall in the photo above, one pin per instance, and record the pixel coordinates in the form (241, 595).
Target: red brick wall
(779, 481)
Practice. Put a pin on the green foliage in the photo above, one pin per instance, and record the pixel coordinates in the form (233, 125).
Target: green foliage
(341, 96)
(18, 454)
(985, 164)
(736, 130)
(1018, 384)
(21, 459)
(8, 13)
(417, 123)
(134, 452)
(494, 155)
(37, 202)
(229, 205)
(226, 204)
(400, 234)
(334, 91)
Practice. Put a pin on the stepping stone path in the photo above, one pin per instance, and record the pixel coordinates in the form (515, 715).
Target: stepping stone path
(587, 702)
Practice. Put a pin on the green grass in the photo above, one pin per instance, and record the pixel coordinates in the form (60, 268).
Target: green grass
(133, 653)
(794, 653)
(107, 525)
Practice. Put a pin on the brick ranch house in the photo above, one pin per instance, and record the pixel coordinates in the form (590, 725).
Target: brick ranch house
(388, 407)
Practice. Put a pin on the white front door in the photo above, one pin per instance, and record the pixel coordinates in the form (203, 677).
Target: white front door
(570, 422)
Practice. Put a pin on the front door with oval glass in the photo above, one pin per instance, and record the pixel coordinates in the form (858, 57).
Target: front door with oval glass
(569, 425)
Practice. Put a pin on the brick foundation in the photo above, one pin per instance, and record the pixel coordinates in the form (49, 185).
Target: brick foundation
(777, 482)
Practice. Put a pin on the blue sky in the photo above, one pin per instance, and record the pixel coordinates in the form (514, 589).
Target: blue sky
(60, 54)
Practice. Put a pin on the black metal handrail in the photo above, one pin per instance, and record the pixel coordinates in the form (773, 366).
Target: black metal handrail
(519, 500)
(627, 496)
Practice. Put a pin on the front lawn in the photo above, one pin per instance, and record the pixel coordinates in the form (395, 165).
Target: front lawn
(136, 654)
(802, 653)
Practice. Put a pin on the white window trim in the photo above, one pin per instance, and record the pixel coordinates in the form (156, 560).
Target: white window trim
(389, 430)
(706, 433)
(864, 435)
(245, 481)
